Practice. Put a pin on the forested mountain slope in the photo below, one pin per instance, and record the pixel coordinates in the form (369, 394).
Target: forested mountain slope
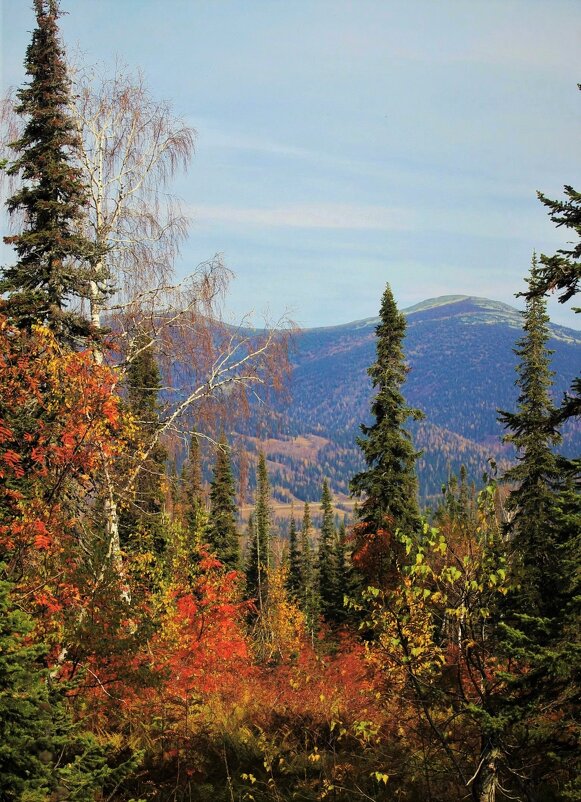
(462, 370)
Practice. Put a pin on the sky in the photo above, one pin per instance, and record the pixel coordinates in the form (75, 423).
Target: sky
(342, 145)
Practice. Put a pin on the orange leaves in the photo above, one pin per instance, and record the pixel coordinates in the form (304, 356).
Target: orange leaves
(110, 410)
(42, 539)
(60, 429)
(201, 640)
(13, 460)
(58, 412)
(37, 453)
(47, 603)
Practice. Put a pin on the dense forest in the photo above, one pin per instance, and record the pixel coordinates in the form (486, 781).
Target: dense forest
(153, 646)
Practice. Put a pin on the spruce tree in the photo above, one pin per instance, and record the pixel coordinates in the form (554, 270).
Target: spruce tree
(388, 485)
(309, 596)
(222, 531)
(250, 561)
(192, 489)
(140, 521)
(262, 512)
(43, 753)
(25, 721)
(294, 579)
(344, 577)
(259, 553)
(52, 269)
(539, 622)
(533, 501)
(327, 569)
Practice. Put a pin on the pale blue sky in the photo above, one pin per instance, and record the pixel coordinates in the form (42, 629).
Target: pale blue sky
(345, 144)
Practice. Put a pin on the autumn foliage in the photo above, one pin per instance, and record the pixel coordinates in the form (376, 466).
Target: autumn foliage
(148, 653)
(176, 669)
(170, 663)
(60, 427)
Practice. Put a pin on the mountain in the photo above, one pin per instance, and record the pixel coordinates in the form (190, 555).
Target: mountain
(462, 370)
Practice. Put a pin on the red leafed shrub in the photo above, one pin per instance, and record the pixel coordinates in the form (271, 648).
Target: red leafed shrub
(60, 429)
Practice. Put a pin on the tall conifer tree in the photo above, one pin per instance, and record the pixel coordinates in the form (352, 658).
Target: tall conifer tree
(541, 615)
(344, 579)
(52, 268)
(326, 557)
(140, 519)
(222, 531)
(309, 596)
(259, 553)
(294, 560)
(262, 512)
(562, 271)
(388, 484)
(533, 501)
(192, 488)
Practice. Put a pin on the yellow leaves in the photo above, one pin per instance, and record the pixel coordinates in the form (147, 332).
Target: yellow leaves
(365, 730)
(281, 627)
(380, 777)
(315, 756)
(451, 574)
(338, 727)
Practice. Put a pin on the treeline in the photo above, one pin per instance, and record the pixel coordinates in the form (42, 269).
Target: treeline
(149, 649)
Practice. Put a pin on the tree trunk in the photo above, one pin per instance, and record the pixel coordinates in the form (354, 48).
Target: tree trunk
(487, 778)
(95, 309)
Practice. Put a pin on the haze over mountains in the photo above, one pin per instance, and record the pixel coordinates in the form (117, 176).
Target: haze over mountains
(462, 370)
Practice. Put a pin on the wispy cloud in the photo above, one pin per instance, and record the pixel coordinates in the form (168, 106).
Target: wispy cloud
(317, 216)
(212, 137)
(520, 224)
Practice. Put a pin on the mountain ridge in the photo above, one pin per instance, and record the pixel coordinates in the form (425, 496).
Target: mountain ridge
(462, 371)
(487, 307)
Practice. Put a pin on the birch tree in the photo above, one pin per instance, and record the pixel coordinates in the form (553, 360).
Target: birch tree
(131, 148)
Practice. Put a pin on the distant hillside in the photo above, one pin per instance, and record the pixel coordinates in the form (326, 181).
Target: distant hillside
(462, 369)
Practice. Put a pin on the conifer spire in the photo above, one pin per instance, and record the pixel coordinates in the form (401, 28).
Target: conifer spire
(388, 485)
(294, 571)
(192, 486)
(140, 517)
(533, 501)
(222, 532)
(52, 268)
(326, 557)
(344, 578)
(259, 553)
(309, 596)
